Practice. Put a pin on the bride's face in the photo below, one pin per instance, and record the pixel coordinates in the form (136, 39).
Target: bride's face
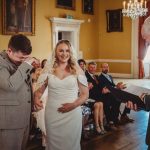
(63, 53)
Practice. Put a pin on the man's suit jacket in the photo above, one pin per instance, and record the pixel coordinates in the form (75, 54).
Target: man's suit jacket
(15, 94)
(105, 82)
(147, 103)
(94, 93)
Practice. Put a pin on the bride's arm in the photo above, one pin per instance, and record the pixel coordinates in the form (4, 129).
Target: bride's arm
(83, 88)
(83, 96)
(38, 94)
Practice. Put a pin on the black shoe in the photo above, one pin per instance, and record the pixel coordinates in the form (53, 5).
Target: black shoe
(126, 119)
(99, 131)
(108, 127)
(114, 127)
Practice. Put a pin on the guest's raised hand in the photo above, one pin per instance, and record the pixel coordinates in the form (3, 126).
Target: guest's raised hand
(120, 85)
(143, 96)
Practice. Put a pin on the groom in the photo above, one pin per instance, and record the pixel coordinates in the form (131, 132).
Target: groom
(15, 93)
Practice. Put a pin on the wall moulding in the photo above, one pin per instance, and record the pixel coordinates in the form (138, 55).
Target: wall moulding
(69, 29)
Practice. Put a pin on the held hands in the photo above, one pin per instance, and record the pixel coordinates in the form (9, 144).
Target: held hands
(38, 105)
(66, 107)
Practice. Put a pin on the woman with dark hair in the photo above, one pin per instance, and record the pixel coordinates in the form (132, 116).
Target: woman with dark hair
(82, 64)
(43, 62)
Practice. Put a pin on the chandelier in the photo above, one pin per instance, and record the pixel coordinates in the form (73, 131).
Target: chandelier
(134, 8)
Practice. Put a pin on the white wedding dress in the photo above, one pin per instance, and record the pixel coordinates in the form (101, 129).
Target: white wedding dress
(63, 130)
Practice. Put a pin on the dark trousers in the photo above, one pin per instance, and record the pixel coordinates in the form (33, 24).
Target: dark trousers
(126, 111)
(111, 108)
(148, 148)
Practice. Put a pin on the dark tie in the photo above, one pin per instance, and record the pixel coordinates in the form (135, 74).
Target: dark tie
(94, 77)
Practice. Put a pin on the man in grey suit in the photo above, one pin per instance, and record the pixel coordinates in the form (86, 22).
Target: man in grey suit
(145, 98)
(15, 93)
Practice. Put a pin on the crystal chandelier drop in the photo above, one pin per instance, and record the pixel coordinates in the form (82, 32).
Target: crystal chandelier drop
(134, 8)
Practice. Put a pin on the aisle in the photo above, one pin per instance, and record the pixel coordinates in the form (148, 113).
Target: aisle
(129, 136)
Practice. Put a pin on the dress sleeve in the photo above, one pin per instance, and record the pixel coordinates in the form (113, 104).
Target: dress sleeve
(41, 80)
(83, 80)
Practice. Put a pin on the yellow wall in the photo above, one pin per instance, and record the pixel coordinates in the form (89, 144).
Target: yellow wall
(95, 42)
(42, 40)
(114, 45)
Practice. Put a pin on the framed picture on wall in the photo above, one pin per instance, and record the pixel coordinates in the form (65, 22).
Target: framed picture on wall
(18, 17)
(88, 7)
(66, 4)
(114, 20)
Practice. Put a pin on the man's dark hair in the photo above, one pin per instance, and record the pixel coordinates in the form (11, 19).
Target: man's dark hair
(20, 43)
(92, 63)
(81, 60)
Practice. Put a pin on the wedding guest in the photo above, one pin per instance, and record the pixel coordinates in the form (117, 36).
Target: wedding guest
(82, 64)
(111, 105)
(94, 93)
(43, 62)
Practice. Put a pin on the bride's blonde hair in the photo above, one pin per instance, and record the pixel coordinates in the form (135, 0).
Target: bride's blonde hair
(53, 63)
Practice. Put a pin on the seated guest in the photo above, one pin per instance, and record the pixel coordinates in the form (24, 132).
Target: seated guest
(43, 62)
(82, 64)
(94, 93)
(107, 80)
(124, 117)
(111, 105)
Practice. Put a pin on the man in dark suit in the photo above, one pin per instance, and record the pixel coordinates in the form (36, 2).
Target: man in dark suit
(107, 80)
(94, 92)
(111, 106)
(15, 93)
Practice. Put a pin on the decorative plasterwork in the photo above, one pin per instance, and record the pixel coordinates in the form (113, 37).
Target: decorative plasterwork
(66, 25)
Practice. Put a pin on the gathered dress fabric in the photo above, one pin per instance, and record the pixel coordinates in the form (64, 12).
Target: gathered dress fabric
(63, 130)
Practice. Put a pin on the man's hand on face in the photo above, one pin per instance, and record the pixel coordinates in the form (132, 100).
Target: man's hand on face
(33, 61)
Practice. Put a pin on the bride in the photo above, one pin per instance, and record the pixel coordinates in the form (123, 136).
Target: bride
(67, 90)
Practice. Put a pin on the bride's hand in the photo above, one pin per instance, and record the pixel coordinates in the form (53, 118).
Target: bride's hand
(38, 105)
(66, 107)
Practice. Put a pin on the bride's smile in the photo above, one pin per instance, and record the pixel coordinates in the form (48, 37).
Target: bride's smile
(63, 53)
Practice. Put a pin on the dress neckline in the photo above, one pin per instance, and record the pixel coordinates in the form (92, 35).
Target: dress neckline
(62, 78)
